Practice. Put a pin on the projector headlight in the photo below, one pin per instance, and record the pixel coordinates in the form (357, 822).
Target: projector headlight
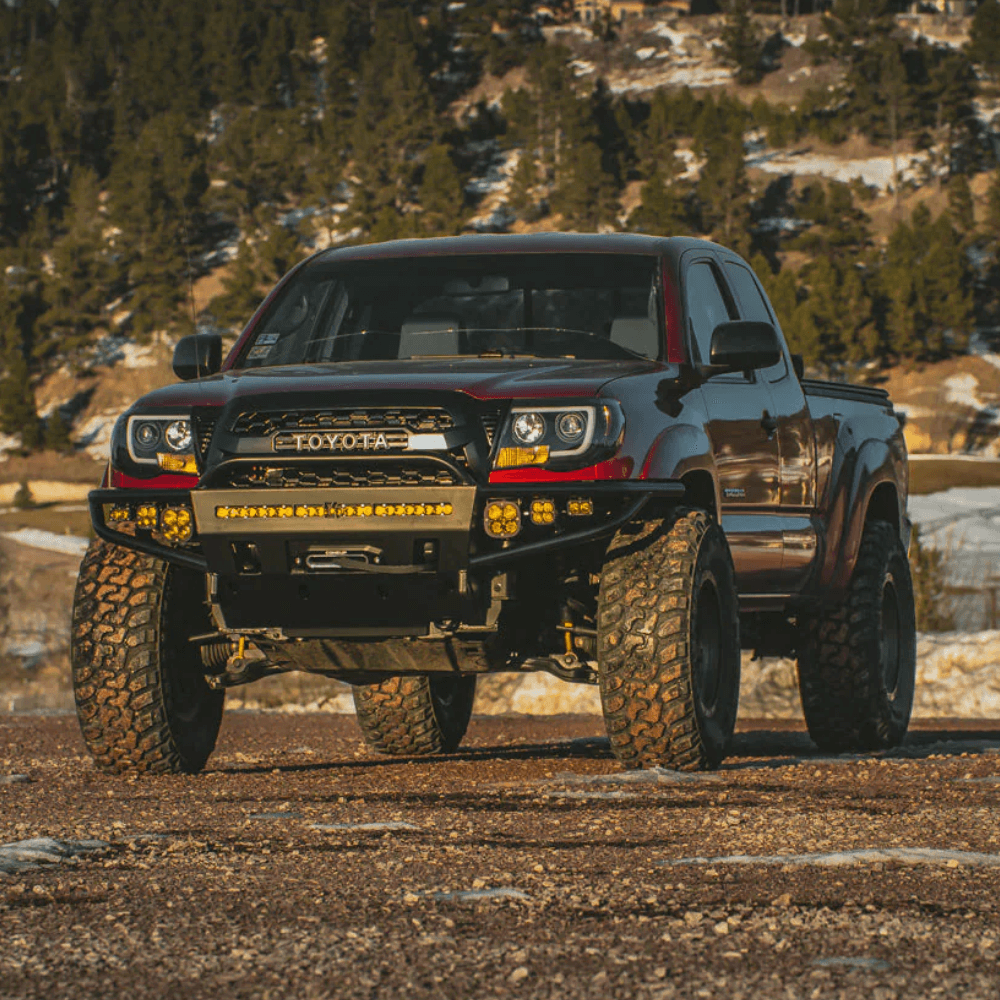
(560, 436)
(150, 439)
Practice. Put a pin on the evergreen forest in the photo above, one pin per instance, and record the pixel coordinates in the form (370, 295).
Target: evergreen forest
(138, 137)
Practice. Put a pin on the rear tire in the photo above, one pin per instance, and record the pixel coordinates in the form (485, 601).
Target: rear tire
(668, 643)
(415, 715)
(141, 696)
(857, 662)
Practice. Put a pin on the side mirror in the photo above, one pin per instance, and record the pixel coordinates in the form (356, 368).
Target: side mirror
(743, 346)
(197, 356)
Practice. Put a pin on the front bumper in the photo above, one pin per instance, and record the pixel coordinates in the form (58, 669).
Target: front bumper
(427, 529)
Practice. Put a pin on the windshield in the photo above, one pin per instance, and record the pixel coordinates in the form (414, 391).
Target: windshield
(591, 306)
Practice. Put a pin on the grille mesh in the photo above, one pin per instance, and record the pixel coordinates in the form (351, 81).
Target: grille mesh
(343, 475)
(421, 420)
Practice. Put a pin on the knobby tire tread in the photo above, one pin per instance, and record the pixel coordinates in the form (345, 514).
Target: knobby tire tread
(644, 644)
(843, 699)
(120, 622)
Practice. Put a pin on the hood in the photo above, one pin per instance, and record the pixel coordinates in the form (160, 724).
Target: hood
(481, 379)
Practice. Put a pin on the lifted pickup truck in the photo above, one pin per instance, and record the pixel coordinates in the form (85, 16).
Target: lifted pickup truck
(427, 460)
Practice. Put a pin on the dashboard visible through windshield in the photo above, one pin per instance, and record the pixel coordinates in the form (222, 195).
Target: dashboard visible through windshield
(587, 306)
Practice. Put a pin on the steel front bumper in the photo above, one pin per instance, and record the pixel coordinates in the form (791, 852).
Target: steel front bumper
(386, 530)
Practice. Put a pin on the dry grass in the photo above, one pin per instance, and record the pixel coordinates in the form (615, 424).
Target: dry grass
(933, 475)
(52, 467)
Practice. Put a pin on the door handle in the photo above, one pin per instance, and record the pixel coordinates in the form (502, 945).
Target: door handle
(769, 424)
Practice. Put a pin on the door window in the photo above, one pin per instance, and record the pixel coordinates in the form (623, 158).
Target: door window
(752, 304)
(706, 307)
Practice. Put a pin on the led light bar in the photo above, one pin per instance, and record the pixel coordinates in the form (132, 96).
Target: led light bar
(336, 510)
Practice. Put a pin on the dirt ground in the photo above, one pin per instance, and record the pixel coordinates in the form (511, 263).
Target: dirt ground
(259, 878)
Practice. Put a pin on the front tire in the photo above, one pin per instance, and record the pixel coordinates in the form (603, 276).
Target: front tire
(141, 696)
(418, 715)
(858, 662)
(668, 643)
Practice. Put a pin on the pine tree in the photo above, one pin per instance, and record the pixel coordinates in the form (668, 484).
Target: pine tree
(661, 210)
(57, 433)
(85, 275)
(441, 195)
(960, 206)
(984, 37)
(724, 193)
(742, 47)
(522, 197)
(587, 196)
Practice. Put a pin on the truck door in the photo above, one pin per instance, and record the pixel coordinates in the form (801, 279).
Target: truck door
(744, 440)
(794, 432)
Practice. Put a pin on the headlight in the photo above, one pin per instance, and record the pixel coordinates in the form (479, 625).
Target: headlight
(178, 435)
(528, 428)
(559, 436)
(164, 441)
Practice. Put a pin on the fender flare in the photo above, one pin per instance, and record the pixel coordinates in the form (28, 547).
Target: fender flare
(847, 512)
(678, 451)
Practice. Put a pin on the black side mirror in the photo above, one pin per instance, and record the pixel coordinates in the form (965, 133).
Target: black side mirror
(743, 346)
(197, 356)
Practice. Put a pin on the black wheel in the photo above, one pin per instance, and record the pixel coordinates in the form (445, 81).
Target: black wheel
(858, 661)
(668, 643)
(141, 695)
(421, 714)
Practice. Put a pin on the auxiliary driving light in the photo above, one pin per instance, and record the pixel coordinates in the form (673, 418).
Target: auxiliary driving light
(502, 519)
(543, 512)
(175, 524)
(146, 516)
(580, 508)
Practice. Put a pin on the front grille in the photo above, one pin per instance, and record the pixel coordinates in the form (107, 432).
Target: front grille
(326, 475)
(420, 420)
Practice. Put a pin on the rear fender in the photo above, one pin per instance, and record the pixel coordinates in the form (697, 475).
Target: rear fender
(874, 466)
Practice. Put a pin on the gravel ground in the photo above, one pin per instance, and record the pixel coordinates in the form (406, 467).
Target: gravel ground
(300, 865)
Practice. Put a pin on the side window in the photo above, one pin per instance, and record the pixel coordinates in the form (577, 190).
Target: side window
(752, 304)
(706, 307)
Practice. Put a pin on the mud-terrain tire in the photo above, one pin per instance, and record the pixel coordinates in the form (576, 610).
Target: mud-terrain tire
(417, 715)
(858, 661)
(141, 696)
(668, 643)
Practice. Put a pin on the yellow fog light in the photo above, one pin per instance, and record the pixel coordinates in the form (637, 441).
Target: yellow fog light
(119, 514)
(178, 463)
(543, 512)
(502, 519)
(145, 516)
(580, 508)
(175, 524)
(509, 458)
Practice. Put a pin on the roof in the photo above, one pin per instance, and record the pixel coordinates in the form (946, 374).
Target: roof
(492, 243)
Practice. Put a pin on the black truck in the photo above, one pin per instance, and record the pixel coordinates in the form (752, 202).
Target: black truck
(427, 460)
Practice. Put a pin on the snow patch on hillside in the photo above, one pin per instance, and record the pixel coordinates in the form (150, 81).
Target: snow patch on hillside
(875, 171)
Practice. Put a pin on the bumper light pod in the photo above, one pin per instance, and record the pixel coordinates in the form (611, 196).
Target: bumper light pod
(580, 508)
(502, 519)
(543, 512)
(176, 524)
(146, 516)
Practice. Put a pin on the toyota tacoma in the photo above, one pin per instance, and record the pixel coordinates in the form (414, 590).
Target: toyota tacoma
(427, 460)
